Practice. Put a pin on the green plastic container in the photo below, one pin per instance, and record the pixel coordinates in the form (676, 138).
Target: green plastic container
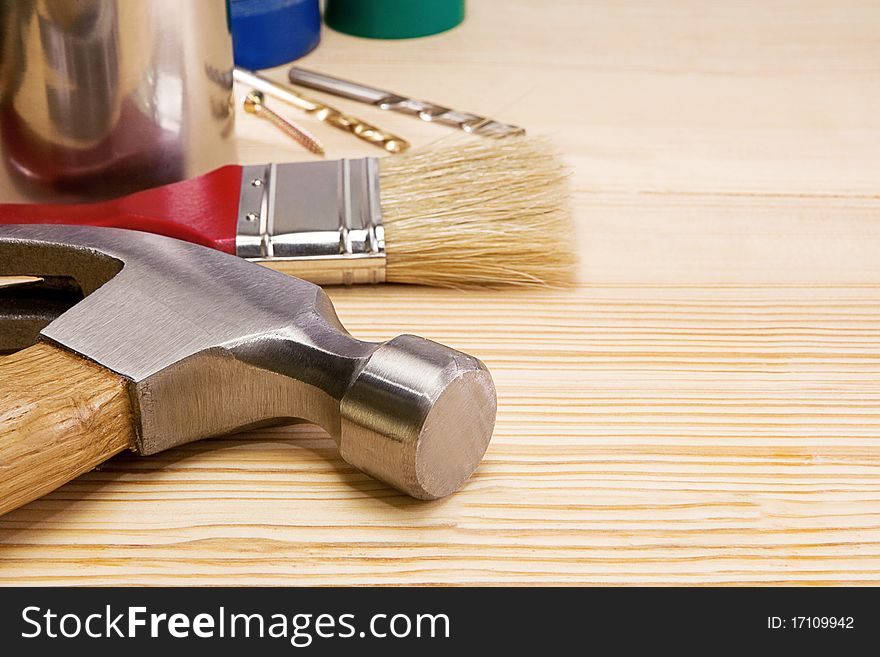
(393, 19)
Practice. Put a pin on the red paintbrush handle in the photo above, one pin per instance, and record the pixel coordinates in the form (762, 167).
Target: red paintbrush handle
(202, 210)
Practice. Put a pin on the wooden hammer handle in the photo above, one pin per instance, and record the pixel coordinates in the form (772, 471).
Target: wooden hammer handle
(60, 416)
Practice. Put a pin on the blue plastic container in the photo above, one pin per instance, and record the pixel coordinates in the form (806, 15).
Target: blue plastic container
(268, 33)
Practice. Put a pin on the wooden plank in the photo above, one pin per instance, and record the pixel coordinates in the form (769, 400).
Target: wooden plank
(703, 408)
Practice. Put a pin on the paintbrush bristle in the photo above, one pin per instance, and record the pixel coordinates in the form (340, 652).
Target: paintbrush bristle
(489, 211)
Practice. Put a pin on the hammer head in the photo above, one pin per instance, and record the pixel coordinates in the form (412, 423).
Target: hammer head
(211, 343)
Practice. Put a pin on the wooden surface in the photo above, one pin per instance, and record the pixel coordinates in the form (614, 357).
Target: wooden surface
(60, 416)
(703, 408)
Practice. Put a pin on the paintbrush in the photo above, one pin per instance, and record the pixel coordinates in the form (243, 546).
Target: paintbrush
(488, 212)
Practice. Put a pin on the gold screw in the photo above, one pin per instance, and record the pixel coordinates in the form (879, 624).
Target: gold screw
(253, 104)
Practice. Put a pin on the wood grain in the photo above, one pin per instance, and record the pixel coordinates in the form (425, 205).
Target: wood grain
(703, 409)
(60, 416)
(9, 281)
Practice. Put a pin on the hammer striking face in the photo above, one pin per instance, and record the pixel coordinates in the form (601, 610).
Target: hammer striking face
(205, 343)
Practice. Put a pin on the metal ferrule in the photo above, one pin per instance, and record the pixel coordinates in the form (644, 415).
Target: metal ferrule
(326, 213)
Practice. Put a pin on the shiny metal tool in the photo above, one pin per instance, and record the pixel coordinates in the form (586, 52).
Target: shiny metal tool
(323, 112)
(254, 104)
(388, 100)
(207, 344)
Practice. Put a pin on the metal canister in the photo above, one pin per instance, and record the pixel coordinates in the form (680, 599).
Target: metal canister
(101, 98)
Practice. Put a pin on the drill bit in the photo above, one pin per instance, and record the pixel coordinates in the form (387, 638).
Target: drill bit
(387, 100)
(323, 112)
(253, 104)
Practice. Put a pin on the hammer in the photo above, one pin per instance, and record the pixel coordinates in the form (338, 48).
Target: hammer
(174, 342)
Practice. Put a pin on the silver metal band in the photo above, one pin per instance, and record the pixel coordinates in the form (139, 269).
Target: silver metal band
(314, 211)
